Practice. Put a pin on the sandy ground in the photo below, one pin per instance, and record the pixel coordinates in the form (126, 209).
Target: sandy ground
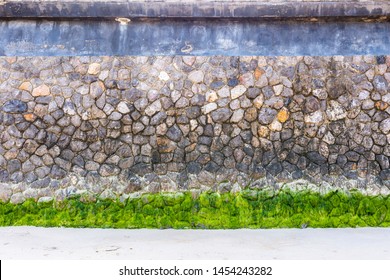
(298, 244)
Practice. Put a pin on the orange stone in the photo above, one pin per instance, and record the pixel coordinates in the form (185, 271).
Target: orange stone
(380, 105)
(258, 73)
(283, 115)
(27, 86)
(30, 117)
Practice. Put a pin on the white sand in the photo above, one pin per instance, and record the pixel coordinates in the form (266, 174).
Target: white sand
(65, 243)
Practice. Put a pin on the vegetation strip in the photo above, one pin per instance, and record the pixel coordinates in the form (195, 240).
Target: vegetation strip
(209, 210)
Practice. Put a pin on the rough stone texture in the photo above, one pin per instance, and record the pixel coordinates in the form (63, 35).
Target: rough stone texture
(112, 126)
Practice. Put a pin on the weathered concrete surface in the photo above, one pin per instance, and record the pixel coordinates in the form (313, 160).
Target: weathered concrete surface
(194, 9)
(65, 243)
(198, 37)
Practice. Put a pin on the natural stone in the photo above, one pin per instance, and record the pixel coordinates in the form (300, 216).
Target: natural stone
(209, 108)
(108, 170)
(312, 104)
(335, 111)
(275, 126)
(237, 91)
(251, 114)
(174, 133)
(258, 101)
(196, 76)
(123, 108)
(153, 108)
(385, 126)
(30, 117)
(15, 106)
(42, 90)
(17, 198)
(221, 115)
(283, 115)
(237, 116)
(267, 115)
(96, 89)
(163, 76)
(27, 86)
(94, 69)
(314, 118)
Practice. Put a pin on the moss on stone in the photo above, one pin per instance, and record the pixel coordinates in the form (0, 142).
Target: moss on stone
(209, 210)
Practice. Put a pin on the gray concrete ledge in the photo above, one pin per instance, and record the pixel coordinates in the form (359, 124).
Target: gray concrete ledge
(193, 9)
(292, 244)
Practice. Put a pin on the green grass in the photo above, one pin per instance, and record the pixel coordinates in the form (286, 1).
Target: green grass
(247, 209)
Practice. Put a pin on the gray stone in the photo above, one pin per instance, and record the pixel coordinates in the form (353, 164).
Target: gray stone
(193, 112)
(311, 104)
(385, 126)
(17, 198)
(14, 165)
(221, 115)
(5, 193)
(198, 99)
(266, 115)
(174, 133)
(380, 84)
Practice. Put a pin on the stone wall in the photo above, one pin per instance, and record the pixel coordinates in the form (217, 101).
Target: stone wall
(114, 126)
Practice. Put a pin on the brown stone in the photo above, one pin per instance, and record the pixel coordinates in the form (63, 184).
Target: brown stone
(312, 104)
(251, 114)
(27, 86)
(40, 110)
(263, 131)
(380, 105)
(42, 90)
(283, 115)
(165, 145)
(258, 73)
(30, 117)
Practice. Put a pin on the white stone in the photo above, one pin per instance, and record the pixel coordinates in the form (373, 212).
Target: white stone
(237, 116)
(153, 108)
(163, 76)
(193, 124)
(211, 96)
(329, 138)
(386, 98)
(209, 108)
(224, 92)
(315, 117)
(278, 89)
(363, 95)
(335, 111)
(123, 108)
(196, 76)
(94, 69)
(237, 91)
(275, 126)
(175, 95)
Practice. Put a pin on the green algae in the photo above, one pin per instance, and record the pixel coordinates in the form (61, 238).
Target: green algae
(208, 210)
